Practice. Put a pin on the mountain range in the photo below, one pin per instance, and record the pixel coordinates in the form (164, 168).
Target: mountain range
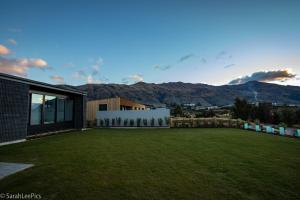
(202, 94)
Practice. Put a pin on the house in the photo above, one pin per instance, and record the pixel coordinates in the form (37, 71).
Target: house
(29, 108)
(111, 104)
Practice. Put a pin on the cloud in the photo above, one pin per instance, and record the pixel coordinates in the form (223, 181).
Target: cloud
(12, 41)
(57, 79)
(185, 57)
(4, 50)
(162, 67)
(266, 76)
(96, 66)
(133, 78)
(79, 74)
(91, 80)
(223, 55)
(20, 67)
(228, 66)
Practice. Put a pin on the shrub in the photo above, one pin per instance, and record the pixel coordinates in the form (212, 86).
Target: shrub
(145, 122)
(138, 121)
(101, 122)
(160, 121)
(131, 122)
(119, 121)
(152, 122)
(106, 122)
(167, 120)
(281, 124)
(125, 122)
(113, 121)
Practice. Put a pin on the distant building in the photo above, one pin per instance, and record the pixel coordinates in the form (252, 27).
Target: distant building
(111, 104)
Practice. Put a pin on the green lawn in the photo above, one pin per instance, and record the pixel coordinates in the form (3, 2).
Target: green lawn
(157, 164)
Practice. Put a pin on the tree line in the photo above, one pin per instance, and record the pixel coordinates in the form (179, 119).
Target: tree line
(265, 112)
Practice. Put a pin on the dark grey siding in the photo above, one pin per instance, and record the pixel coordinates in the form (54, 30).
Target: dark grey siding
(80, 112)
(13, 110)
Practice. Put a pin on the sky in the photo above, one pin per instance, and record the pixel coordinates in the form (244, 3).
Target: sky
(124, 41)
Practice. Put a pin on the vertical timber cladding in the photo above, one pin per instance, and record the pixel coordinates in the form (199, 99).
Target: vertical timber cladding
(14, 101)
(113, 104)
(93, 107)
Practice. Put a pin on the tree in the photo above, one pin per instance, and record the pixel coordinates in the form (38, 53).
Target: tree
(177, 111)
(241, 109)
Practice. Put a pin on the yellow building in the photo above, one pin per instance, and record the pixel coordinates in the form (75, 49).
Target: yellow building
(111, 104)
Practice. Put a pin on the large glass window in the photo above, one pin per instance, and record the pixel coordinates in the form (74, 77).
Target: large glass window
(68, 110)
(60, 117)
(49, 116)
(36, 109)
(102, 107)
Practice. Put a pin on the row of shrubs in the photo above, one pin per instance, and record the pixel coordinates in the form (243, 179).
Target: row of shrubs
(139, 122)
(206, 122)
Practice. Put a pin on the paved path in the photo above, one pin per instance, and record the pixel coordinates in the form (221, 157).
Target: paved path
(11, 168)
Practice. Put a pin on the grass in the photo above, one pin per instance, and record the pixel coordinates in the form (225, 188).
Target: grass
(157, 164)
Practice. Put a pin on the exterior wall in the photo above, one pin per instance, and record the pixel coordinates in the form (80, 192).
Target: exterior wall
(130, 103)
(13, 110)
(161, 113)
(80, 112)
(93, 107)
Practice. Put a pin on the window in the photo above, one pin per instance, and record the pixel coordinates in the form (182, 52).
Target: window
(68, 110)
(102, 107)
(36, 109)
(60, 113)
(50, 104)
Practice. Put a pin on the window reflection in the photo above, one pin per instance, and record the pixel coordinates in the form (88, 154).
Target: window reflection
(36, 109)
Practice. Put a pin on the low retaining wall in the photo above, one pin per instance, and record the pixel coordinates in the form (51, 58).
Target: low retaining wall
(178, 122)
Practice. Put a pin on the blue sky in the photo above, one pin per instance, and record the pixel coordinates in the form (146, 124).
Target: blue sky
(211, 42)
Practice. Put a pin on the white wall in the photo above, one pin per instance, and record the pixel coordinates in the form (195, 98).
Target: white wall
(135, 114)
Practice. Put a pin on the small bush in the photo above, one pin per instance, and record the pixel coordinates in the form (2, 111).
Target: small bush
(281, 124)
(113, 122)
(101, 122)
(167, 120)
(131, 122)
(106, 122)
(160, 121)
(119, 120)
(152, 122)
(145, 122)
(138, 121)
(125, 122)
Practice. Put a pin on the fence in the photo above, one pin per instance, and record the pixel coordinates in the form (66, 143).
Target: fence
(134, 118)
(178, 122)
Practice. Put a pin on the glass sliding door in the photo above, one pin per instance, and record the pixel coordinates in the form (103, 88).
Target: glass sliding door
(36, 109)
(68, 110)
(50, 105)
(60, 115)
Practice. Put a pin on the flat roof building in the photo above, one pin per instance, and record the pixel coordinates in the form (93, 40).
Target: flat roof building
(111, 104)
(29, 108)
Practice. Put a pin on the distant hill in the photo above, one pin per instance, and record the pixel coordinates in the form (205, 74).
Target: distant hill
(206, 95)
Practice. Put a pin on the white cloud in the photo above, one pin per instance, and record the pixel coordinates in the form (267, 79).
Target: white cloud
(20, 67)
(57, 79)
(12, 41)
(91, 80)
(133, 79)
(96, 66)
(282, 75)
(4, 50)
